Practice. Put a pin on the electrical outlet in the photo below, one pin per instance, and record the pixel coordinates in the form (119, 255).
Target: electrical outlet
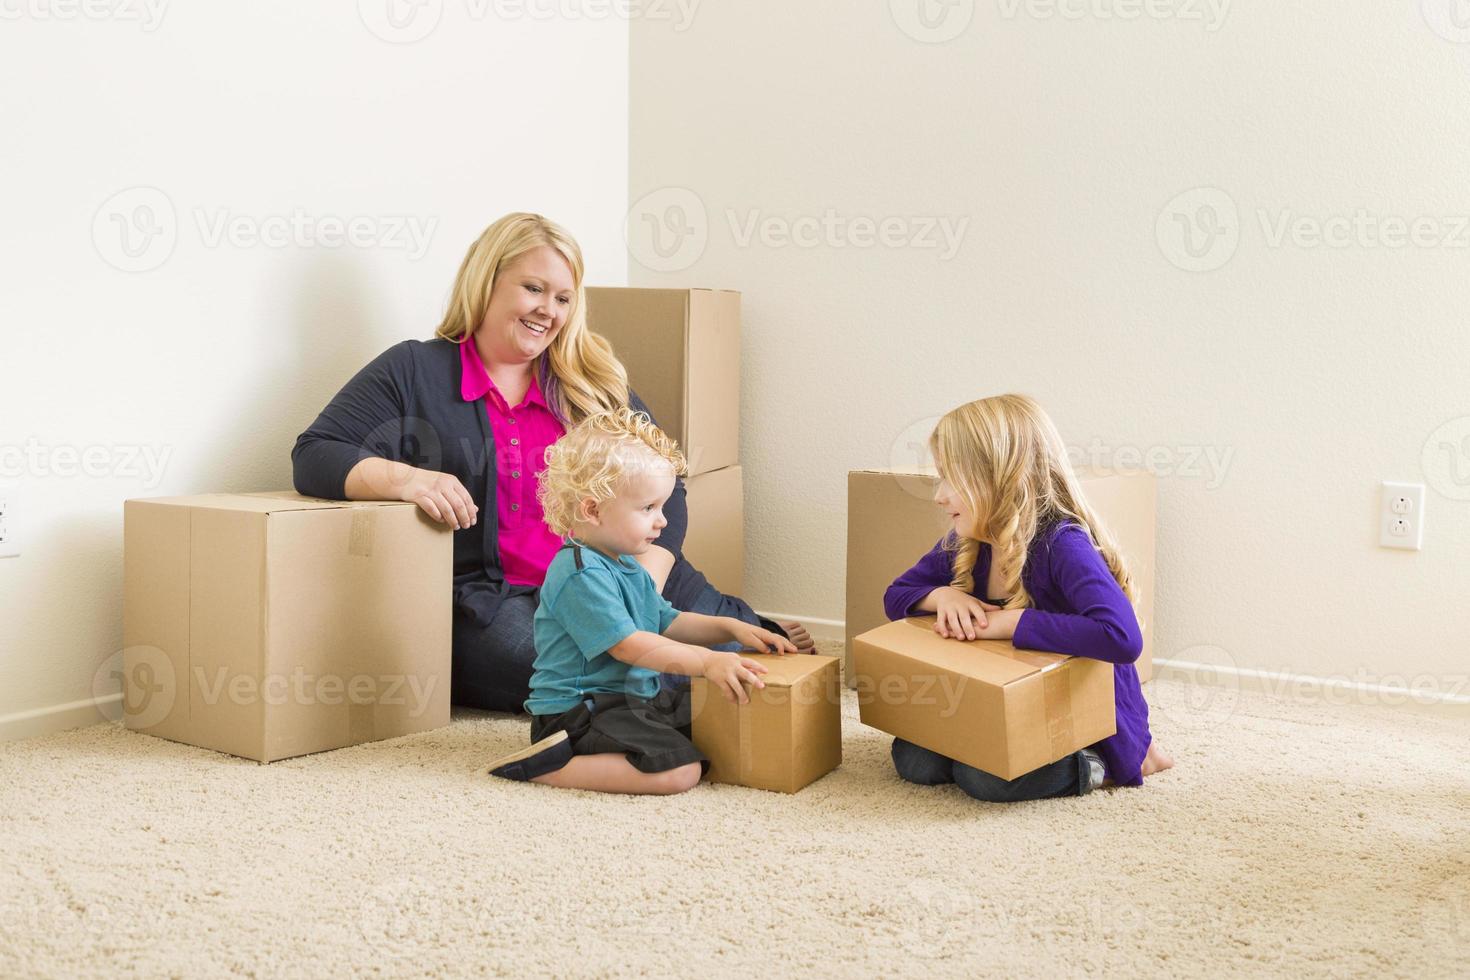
(1401, 516)
(8, 546)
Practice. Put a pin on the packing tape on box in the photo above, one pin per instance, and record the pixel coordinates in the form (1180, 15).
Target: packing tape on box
(747, 748)
(1057, 690)
(364, 528)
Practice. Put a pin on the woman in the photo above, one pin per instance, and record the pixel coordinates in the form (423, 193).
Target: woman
(458, 425)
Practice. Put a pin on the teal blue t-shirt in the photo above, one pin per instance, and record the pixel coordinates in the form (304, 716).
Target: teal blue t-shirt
(588, 604)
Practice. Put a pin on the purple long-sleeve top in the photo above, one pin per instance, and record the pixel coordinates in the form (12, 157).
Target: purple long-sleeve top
(1077, 609)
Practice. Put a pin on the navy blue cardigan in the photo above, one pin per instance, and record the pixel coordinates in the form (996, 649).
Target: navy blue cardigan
(406, 406)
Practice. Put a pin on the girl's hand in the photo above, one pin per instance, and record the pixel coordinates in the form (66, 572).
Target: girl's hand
(1002, 625)
(959, 615)
(755, 638)
(729, 672)
(440, 495)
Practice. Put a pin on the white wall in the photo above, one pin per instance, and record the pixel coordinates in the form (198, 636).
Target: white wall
(1311, 372)
(218, 354)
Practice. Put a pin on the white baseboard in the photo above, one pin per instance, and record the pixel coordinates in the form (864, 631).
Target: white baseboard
(820, 629)
(1445, 697)
(60, 717)
(1322, 690)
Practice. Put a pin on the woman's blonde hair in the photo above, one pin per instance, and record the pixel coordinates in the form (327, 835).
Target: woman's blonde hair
(1006, 460)
(578, 373)
(595, 456)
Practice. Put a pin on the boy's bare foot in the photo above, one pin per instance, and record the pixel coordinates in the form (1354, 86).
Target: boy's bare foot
(1156, 760)
(798, 635)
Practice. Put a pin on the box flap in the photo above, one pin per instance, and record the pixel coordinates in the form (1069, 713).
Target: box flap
(897, 470)
(1081, 472)
(989, 661)
(787, 670)
(263, 502)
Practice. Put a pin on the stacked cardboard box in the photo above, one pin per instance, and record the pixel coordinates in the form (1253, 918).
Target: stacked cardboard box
(271, 625)
(892, 521)
(682, 351)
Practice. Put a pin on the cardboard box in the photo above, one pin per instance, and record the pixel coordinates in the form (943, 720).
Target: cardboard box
(789, 735)
(715, 542)
(892, 521)
(682, 351)
(983, 702)
(270, 625)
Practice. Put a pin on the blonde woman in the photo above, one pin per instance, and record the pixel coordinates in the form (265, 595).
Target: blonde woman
(458, 425)
(1027, 561)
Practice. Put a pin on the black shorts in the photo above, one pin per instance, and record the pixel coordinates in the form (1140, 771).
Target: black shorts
(654, 735)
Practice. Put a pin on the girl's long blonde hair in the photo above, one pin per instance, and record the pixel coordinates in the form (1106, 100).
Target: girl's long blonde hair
(1006, 460)
(578, 373)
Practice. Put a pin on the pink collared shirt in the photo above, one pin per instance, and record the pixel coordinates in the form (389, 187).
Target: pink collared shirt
(521, 435)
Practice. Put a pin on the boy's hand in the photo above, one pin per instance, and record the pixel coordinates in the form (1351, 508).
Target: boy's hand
(756, 638)
(959, 615)
(730, 672)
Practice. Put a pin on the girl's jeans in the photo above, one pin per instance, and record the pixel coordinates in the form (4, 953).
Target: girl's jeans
(1065, 777)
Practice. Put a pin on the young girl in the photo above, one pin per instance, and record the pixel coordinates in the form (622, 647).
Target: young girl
(1026, 561)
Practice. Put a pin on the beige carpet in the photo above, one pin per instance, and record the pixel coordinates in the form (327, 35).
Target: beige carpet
(1292, 839)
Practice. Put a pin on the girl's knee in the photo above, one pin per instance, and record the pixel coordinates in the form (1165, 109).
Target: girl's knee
(680, 780)
(981, 785)
(920, 765)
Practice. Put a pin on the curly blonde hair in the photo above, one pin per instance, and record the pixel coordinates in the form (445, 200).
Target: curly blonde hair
(1006, 459)
(595, 456)
(579, 373)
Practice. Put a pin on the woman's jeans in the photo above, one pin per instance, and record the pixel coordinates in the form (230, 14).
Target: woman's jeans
(1065, 777)
(492, 664)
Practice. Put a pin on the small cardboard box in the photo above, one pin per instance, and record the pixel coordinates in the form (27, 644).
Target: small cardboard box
(682, 351)
(892, 521)
(715, 542)
(271, 625)
(983, 702)
(789, 735)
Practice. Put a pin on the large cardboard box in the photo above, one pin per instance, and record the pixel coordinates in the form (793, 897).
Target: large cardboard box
(715, 542)
(682, 351)
(787, 736)
(892, 521)
(270, 625)
(983, 702)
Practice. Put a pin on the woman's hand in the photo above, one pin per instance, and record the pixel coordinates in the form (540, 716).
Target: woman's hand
(959, 615)
(730, 672)
(441, 496)
(756, 638)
